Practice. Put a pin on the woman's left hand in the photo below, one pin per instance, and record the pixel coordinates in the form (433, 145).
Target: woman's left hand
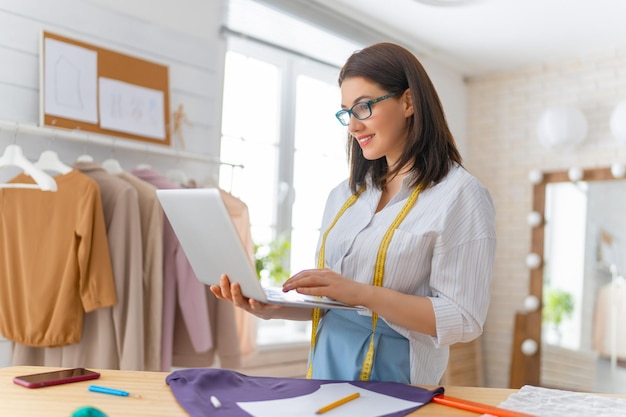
(327, 283)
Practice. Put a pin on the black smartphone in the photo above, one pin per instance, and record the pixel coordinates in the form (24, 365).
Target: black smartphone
(63, 376)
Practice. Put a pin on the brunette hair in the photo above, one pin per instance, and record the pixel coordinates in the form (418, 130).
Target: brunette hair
(430, 146)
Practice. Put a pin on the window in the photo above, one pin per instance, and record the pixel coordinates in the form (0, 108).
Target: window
(251, 137)
(278, 122)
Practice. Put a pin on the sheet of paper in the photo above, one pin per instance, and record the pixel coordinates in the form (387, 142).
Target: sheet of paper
(131, 108)
(369, 404)
(545, 402)
(70, 81)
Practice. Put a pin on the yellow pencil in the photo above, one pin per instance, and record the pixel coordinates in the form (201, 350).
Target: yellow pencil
(338, 403)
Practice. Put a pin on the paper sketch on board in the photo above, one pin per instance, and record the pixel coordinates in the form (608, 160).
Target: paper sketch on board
(70, 80)
(131, 109)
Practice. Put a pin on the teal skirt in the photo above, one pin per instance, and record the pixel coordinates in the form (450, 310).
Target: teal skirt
(342, 342)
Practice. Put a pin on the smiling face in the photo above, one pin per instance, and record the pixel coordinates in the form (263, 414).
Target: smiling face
(384, 133)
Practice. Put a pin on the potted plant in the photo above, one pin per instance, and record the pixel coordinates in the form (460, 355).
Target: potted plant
(270, 261)
(558, 305)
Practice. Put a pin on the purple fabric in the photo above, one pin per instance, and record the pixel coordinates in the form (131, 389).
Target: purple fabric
(194, 387)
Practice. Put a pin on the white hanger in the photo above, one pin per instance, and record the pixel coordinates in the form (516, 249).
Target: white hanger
(49, 161)
(177, 176)
(13, 156)
(84, 158)
(112, 166)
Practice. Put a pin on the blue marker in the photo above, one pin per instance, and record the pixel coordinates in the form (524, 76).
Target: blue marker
(111, 391)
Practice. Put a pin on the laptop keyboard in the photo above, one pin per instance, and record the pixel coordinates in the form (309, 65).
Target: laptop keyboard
(277, 294)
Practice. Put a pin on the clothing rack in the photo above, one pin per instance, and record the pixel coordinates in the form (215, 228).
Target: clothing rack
(107, 141)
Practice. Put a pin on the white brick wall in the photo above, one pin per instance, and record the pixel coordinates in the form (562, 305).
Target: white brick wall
(502, 147)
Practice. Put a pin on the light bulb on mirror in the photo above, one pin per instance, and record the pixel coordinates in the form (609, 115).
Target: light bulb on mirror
(534, 219)
(531, 303)
(535, 176)
(529, 347)
(575, 174)
(533, 260)
(618, 170)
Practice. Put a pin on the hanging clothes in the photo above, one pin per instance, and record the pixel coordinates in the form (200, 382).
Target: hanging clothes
(152, 240)
(123, 222)
(181, 288)
(54, 263)
(603, 321)
(246, 322)
(112, 337)
(233, 330)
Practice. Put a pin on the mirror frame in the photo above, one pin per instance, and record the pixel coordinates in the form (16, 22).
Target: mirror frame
(526, 369)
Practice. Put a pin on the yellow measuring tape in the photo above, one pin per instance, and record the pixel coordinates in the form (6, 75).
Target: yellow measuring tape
(379, 272)
(317, 314)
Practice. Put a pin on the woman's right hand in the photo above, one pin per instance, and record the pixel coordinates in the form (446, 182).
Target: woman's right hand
(232, 292)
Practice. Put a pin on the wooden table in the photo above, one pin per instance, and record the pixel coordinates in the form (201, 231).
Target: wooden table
(156, 397)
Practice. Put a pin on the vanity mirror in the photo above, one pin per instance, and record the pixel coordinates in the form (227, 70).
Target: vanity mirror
(576, 338)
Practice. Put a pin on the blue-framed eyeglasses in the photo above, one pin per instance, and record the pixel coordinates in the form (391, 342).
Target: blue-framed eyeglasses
(361, 110)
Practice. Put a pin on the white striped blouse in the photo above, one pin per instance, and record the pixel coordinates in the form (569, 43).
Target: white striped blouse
(444, 249)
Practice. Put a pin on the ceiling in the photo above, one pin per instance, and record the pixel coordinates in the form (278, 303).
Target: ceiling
(484, 36)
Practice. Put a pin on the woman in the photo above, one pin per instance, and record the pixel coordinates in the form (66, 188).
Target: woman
(410, 235)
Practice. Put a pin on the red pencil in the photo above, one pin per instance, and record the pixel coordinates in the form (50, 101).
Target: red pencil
(477, 407)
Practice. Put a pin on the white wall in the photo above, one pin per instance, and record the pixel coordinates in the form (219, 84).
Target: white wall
(194, 72)
(183, 36)
(452, 92)
(196, 18)
(503, 148)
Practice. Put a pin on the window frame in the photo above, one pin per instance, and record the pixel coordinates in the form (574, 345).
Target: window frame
(291, 66)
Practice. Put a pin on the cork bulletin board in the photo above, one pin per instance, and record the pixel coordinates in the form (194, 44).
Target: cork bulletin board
(98, 90)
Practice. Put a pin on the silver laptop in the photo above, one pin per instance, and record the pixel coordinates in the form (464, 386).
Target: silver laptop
(209, 239)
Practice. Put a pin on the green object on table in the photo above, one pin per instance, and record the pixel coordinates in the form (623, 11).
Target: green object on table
(88, 412)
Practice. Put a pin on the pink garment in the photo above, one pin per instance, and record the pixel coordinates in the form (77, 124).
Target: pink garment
(180, 286)
(233, 330)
